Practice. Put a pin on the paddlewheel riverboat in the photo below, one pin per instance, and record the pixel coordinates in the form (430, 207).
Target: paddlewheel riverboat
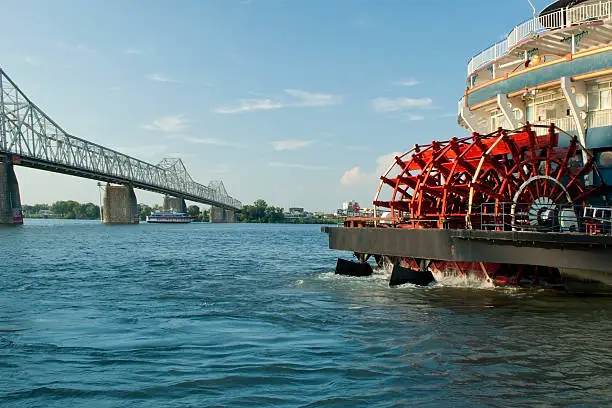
(524, 198)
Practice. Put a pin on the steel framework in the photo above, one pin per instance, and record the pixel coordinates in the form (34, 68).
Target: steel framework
(445, 184)
(29, 137)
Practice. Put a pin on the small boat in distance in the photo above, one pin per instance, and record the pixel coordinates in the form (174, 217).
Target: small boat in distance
(169, 217)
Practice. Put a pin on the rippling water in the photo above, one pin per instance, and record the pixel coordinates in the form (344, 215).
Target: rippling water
(252, 315)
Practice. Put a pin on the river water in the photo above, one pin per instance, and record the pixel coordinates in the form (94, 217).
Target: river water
(252, 315)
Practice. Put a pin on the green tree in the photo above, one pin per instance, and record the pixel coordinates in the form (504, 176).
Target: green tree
(144, 211)
(193, 211)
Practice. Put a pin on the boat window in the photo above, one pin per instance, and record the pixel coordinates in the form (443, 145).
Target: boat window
(605, 101)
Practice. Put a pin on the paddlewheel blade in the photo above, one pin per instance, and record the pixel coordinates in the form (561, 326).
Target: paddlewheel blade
(509, 179)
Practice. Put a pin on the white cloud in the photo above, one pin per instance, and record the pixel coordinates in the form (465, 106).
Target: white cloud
(387, 105)
(85, 49)
(298, 98)
(352, 177)
(296, 166)
(280, 145)
(31, 60)
(246, 105)
(213, 142)
(132, 51)
(313, 99)
(355, 176)
(407, 82)
(413, 117)
(161, 78)
(168, 124)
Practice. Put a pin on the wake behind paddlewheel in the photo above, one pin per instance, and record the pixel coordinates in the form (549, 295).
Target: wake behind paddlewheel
(509, 179)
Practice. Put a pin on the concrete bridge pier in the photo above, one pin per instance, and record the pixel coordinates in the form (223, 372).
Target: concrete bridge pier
(218, 214)
(120, 206)
(174, 203)
(10, 201)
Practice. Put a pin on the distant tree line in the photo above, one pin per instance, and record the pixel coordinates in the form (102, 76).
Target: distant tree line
(258, 212)
(261, 212)
(89, 211)
(63, 209)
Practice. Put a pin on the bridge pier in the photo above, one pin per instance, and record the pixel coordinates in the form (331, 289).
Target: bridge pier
(120, 206)
(218, 214)
(174, 203)
(10, 200)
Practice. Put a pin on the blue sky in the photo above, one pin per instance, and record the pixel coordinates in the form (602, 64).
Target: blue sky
(298, 102)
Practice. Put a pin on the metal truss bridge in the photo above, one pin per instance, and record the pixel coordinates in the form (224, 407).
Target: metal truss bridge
(29, 137)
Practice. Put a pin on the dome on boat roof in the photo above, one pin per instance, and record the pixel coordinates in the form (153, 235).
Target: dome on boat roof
(560, 4)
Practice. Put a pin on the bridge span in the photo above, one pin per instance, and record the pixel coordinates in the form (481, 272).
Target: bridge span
(29, 137)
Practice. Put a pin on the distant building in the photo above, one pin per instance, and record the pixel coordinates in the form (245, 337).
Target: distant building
(297, 212)
(349, 209)
(46, 214)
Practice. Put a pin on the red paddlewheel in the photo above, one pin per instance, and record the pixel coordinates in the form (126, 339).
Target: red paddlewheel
(507, 179)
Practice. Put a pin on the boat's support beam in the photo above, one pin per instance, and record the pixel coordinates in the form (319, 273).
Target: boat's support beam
(120, 205)
(471, 119)
(174, 203)
(350, 268)
(575, 93)
(422, 277)
(10, 201)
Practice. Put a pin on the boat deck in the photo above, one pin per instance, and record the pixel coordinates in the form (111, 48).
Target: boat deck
(577, 251)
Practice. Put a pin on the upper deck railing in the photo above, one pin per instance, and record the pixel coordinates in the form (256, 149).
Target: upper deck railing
(563, 18)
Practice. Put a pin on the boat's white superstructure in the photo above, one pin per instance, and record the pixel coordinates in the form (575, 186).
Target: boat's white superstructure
(556, 68)
(169, 217)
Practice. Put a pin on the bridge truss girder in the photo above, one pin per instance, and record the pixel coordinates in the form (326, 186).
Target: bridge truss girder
(27, 132)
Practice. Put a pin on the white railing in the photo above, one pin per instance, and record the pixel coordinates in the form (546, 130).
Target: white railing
(589, 12)
(563, 18)
(567, 123)
(599, 118)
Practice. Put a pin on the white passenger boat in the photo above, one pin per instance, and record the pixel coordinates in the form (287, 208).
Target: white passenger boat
(169, 217)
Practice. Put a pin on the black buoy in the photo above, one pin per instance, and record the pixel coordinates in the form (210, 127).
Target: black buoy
(401, 275)
(350, 268)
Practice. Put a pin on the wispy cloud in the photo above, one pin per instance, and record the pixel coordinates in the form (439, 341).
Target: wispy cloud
(355, 176)
(407, 82)
(85, 48)
(71, 47)
(161, 78)
(280, 145)
(298, 98)
(388, 105)
(246, 105)
(297, 166)
(132, 51)
(168, 124)
(213, 141)
(414, 117)
(28, 59)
